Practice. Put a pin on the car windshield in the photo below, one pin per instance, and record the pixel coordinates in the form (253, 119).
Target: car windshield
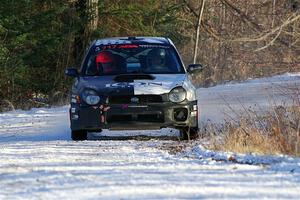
(131, 58)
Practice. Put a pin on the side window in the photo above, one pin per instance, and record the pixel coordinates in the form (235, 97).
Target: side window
(91, 66)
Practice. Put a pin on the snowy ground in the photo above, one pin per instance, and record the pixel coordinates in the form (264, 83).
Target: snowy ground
(39, 161)
(226, 101)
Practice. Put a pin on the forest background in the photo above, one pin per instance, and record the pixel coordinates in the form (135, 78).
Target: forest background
(237, 40)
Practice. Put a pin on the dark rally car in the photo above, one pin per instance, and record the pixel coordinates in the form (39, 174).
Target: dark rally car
(132, 83)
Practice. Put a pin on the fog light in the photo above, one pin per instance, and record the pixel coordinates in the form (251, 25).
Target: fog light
(180, 114)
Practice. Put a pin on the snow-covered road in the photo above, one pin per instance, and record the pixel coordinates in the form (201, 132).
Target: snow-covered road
(227, 101)
(39, 161)
(131, 170)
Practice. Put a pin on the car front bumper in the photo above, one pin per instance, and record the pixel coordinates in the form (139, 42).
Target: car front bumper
(133, 116)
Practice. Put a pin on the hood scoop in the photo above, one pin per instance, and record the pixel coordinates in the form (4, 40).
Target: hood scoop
(131, 77)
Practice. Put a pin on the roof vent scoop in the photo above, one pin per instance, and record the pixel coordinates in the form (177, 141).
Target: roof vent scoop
(131, 77)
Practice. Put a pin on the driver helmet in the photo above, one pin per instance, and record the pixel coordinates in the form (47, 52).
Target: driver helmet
(156, 58)
(105, 62)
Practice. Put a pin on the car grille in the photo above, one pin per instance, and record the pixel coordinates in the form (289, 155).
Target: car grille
(137, 118)
(140, 99)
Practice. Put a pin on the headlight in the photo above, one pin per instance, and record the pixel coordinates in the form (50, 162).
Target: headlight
(177, 95)
(90, 97)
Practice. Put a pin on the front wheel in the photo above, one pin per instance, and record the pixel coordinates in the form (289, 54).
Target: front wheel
(79, 135)
(189, 133)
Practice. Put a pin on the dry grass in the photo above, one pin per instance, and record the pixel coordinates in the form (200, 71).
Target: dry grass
(276, 132)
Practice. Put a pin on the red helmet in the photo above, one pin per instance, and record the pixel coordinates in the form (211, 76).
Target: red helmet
(105, 61)
(104, 57)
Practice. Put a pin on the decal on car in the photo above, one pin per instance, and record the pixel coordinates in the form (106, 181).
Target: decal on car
(134, 84)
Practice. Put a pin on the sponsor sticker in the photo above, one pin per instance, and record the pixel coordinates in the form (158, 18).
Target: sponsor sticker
(133, 84)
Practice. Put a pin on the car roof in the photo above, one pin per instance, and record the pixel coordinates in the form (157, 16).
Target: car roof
(133, 40)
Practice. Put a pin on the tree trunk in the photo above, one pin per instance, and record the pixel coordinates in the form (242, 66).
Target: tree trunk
(88, 13)
(198, 32)
(93, 6)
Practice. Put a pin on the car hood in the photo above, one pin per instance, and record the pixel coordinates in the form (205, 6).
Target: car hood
(161, 84)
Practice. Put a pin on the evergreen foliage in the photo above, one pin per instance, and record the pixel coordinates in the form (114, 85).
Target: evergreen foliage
(39, 39)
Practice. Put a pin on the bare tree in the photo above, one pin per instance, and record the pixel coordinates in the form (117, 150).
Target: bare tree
(94, 14)
(198, 32)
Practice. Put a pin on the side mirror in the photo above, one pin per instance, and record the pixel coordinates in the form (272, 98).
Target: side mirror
(71, 72)
(192, 68)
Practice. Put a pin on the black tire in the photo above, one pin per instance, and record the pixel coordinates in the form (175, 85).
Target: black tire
(189, 133)
(79, 135)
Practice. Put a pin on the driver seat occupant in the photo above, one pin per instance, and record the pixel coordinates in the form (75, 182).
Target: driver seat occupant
(105, 63)
(156, 60)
